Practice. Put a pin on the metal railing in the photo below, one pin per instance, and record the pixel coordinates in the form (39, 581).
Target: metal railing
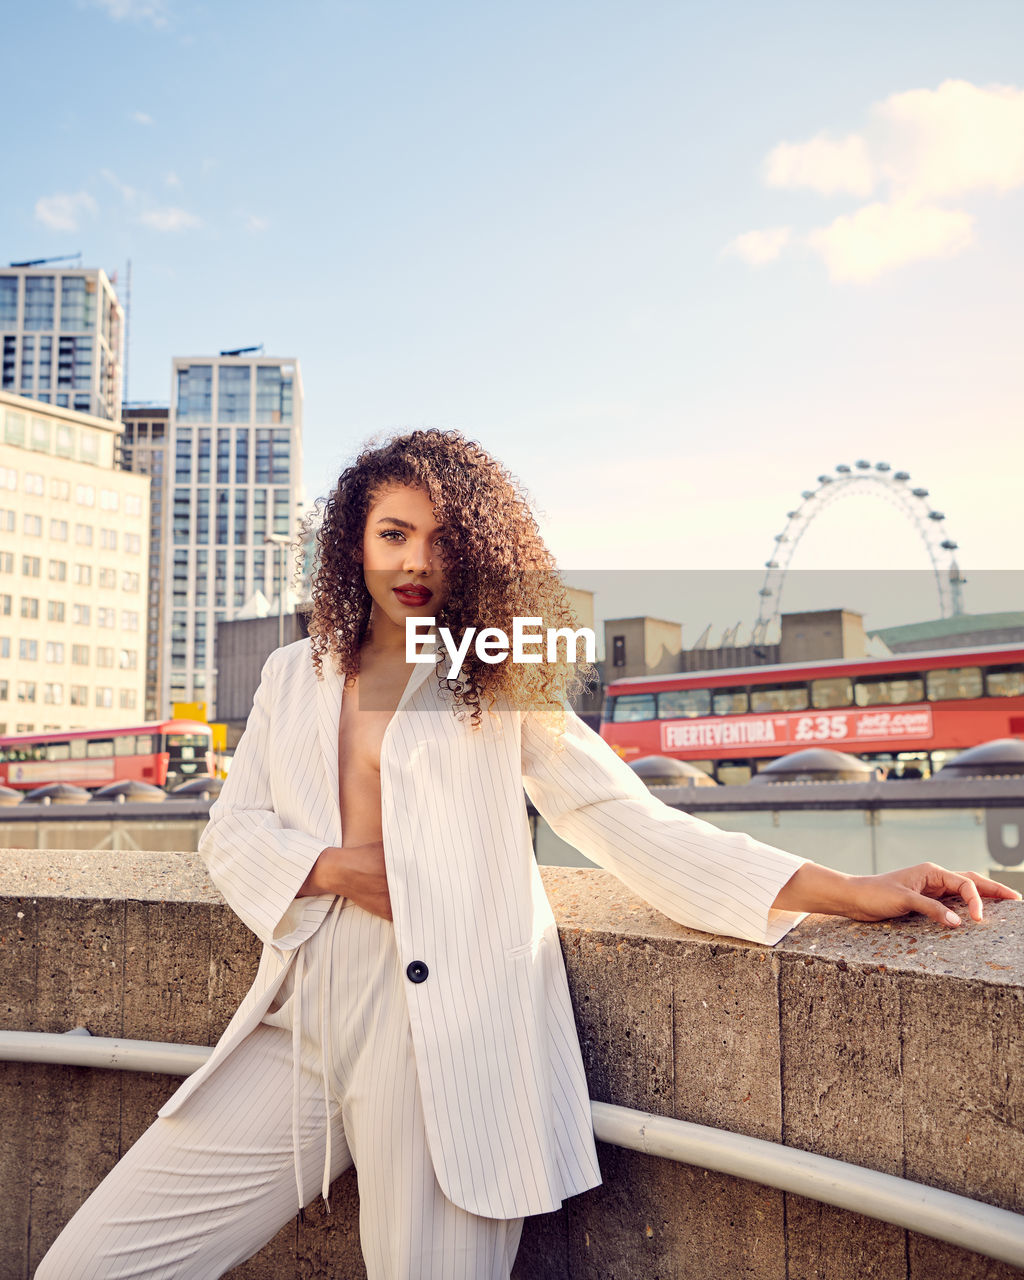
(970, 1224)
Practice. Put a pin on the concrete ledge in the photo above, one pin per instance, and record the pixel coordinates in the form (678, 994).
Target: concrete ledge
(897, 1046)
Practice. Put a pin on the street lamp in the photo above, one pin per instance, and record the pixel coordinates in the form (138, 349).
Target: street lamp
(280, 540)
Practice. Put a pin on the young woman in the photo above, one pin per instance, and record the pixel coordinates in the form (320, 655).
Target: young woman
(411, 1014)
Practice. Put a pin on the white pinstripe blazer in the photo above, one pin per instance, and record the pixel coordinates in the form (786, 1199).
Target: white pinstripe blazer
(501, 1076)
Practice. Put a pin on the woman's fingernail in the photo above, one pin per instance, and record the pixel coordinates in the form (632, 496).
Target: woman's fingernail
(952, 917)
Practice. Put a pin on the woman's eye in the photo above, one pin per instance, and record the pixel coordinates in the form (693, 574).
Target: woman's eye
(390, 535)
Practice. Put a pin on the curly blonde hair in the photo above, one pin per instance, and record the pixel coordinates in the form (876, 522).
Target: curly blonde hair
(496, 567)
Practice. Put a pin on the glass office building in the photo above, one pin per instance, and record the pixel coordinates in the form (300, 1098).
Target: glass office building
(62, 339)
(233, 471)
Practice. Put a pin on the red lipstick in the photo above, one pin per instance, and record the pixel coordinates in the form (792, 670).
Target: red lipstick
(413, 595)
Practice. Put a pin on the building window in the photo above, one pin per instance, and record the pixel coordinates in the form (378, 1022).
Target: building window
(59, 530)
(53, 694)
(195, 393)
(108, 539)
(7, 518)
(26, 691)
(104, 696)
(280, 462)
(81, 575)
(8, 302)
(81, 614)
(80, 655)
(85, 495)
(79, 695)
(242, 455)
(31, 566)
(106, 617)
(132, 544)
(54, 651)
(77, 304)
(104, 655)
(7, 562)
(241, 500)
(233, 383)
(28, 650)
(274, 394)
(127, 699)
(29, 607)
(55, 611)
(83, 535)
(39, 296)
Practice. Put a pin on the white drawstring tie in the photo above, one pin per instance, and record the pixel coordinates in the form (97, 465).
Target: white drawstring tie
(324, 1001)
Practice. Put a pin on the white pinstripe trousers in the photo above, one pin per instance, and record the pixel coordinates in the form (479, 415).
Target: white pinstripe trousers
(206, 1188)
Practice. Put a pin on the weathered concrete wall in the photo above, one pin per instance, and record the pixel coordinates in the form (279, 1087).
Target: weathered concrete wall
(897, 1046)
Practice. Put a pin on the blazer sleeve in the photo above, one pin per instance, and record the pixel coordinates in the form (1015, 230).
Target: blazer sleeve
(256, 862)
(700, 876)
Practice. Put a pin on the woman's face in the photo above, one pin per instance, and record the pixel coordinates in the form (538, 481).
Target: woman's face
(402, 556)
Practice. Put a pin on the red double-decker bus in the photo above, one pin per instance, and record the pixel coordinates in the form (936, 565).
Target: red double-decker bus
(162, 752)
(908, 713)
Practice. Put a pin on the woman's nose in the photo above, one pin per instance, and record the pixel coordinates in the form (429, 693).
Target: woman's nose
(417, 559)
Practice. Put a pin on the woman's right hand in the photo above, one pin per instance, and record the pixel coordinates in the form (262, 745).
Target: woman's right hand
(357, 873)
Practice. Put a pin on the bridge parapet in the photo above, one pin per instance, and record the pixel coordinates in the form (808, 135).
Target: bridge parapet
(896, 1046)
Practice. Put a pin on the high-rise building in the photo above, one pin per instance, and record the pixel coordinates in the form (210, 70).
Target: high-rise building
(74, 542)
(142, 449)
(235, 486)
(62, 334)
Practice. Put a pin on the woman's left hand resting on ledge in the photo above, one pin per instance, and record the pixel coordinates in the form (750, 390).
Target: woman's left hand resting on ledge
(817, 889)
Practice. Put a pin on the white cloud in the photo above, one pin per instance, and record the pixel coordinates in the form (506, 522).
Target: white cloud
(141, 117)
(171, 179)
(153, 11)
(958, 138)
(879, 237)
(127, 192)
(759, 247)
(255, 223)
(921, 147)
(62, 212)
(824, 164)
(169, 219)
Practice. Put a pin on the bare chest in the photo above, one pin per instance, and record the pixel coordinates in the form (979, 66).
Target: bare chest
(367, 708)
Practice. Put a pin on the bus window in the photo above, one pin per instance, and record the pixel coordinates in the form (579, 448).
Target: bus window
(58, 751)
(187, 752)
(834, 692)
(1008, 683)
(953, 682)
(630, 707)
(78, 748)
(786, 697)
(729, 702)
(880, 693)
(97, 748)
(124, 744)
(145, 744)
(683, 704)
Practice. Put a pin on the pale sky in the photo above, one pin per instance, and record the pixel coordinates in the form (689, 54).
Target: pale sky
(668, 261)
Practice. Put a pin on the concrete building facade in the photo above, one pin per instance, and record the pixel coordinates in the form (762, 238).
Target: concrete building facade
(62, 338)
(233, 497)
(142, 448)
(74, 547)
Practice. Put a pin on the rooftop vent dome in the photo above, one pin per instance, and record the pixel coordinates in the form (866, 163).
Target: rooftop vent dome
(1000, 758)
(57, 793)
(130, 789)
(10, 795)
(816, 764)
(663, 771)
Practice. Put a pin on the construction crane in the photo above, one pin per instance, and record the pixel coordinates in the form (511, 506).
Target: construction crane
(43, 262)
(242, 351)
